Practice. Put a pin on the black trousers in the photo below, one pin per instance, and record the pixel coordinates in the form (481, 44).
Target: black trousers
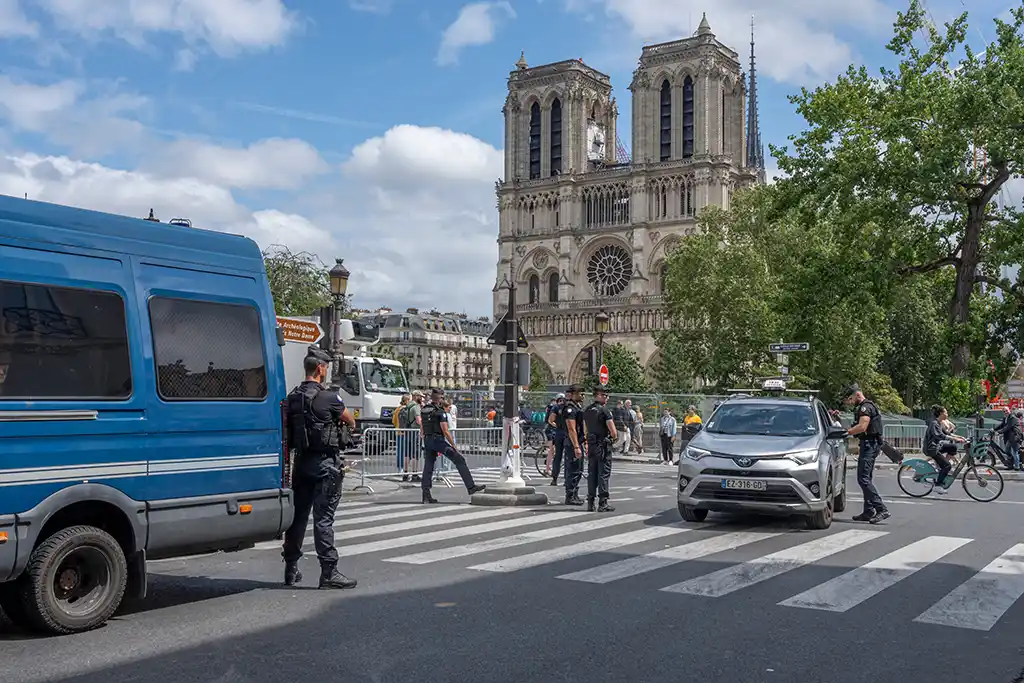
(599, 466)
(436, 446)
(870, 447)
(317, 491)
(573, 468)
(666, 448)
(556, 461)
(939, 456)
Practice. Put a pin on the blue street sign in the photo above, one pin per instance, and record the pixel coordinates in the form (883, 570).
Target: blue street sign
(789, 347)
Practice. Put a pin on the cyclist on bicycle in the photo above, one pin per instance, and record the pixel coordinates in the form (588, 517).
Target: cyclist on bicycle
(939, 443)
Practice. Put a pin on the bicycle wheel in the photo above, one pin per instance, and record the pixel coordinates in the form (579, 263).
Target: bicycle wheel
(909, 481)
(540, 460)
(989, 481)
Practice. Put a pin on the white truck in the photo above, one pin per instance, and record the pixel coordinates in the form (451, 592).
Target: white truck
(371, 387)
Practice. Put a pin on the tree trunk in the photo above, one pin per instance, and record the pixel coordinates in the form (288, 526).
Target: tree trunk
(966, 269)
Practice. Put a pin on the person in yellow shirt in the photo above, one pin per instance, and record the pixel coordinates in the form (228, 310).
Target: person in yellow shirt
(691, 425)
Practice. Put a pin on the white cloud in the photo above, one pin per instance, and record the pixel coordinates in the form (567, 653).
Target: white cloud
(13, 22)
(225, 26)
(797, 40)
(475, 25)
(268, 164)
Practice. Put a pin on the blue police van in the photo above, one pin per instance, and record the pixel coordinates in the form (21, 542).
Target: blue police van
(141, 405)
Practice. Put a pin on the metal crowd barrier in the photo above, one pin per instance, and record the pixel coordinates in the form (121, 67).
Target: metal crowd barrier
(390, 454)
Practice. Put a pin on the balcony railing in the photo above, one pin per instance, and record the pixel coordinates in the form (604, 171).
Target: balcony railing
(607, 303)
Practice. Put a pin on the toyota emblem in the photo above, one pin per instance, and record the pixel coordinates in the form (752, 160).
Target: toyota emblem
(744, 462)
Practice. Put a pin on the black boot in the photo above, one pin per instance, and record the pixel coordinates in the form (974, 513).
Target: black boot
(603, 506)
(571, 499)
(331, 578)
(476, 488)
(590, 504)
(292, 575)
(427, 498)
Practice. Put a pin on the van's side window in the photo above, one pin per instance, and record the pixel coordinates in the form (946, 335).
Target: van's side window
(207, 351)
(62, 343)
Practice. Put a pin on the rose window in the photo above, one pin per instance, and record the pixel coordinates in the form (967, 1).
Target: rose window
(609, 270)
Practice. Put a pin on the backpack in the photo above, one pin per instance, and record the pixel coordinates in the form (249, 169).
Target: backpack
(305, 431)
(405, 417)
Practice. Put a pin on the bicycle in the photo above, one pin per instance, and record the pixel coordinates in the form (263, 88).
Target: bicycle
(995, 452)
(540, 460)
(922, 471)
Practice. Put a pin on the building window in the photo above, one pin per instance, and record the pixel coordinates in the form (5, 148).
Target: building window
(556, 137)
(663, 277)
(207, 351)
(687, 205)
(666, 121)
(534, 289)
(61, 343)
(609, 270)
(535, 141)
(553, 287)
(688, 118)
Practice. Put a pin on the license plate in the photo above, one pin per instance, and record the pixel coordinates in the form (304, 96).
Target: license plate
(744, 485)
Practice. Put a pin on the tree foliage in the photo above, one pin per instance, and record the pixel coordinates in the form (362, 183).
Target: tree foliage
(540, 374)
(299, 281)
(909, 164)
(625, 372)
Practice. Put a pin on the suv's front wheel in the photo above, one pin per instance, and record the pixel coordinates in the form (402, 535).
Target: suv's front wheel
(692, 514)
(822, 519)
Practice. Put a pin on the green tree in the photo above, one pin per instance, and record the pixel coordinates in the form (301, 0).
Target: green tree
(540, 375)
(909, 162)
(299, 281)
(625, 372)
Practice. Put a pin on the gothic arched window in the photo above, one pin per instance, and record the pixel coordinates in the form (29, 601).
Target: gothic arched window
(688, 118)
(556, 137)
(534, 289)
(609, 270)
(666, 121)
(553, 287)
(535, 141)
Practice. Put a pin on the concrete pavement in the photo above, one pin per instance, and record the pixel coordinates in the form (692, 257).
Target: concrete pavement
(454, 593)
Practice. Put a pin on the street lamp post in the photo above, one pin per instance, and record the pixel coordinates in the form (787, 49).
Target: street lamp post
(601, 324)
(338, 276)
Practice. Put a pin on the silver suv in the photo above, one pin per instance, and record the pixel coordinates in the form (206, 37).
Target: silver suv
(770, 454)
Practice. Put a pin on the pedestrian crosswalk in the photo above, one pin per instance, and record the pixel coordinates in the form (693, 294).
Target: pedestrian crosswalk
(862, 563)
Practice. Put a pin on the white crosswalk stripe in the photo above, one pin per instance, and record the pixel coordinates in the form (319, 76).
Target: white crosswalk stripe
(519, 539)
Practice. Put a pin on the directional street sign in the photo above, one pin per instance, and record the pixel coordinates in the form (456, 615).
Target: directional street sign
(602, 375)
(299, 330)
(789, 347)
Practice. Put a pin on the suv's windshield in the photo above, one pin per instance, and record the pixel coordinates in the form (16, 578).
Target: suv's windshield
(386, 379)
(763, 419)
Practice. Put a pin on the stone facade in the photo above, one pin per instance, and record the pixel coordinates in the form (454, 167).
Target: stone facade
(584, 229)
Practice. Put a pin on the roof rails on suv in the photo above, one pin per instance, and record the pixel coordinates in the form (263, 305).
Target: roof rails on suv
(772, 386)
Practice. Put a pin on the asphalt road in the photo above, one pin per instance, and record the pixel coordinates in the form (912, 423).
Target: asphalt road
(453, 593)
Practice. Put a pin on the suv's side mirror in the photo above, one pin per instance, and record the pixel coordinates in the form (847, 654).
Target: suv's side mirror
(837, 433)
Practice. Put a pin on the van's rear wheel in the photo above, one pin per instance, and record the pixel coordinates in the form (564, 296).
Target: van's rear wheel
(75, 581)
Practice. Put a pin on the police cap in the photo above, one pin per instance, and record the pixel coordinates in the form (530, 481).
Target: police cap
(575, 389)
(849, 391)
(319, 354)
(436, 393)
(603, 391)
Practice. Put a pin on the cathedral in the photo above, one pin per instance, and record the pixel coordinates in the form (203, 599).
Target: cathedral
(583, 228)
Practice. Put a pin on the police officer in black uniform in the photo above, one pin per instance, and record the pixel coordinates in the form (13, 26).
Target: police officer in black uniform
(867, 427)
(570, 420)
(437, 441)
(315, 419)
(558, 436)
(601, 436)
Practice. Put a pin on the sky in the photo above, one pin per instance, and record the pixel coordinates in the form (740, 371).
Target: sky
(369, 130)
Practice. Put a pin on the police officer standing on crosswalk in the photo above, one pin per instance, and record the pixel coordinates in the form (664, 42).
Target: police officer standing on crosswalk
(315, 418)
(601, 434)
(570, 420)
(867, 427)
(438, 441)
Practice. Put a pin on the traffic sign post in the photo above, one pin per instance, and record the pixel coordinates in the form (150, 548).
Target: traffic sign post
(300, 331)
(789, 347)
(602, 375)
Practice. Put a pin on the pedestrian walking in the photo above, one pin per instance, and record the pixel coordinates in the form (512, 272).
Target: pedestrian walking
(600, 431)
(867, 427)
(438, 441)
(570, 419)
(667, 432)
(315, 416)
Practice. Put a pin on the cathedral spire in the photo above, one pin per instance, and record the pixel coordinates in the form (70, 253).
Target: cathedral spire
(755, 147)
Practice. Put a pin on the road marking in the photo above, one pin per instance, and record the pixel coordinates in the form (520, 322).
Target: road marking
(634, 566)
(430, 522)
(730, 579)
(563, 553)
(346, 511)
(513, 541)
(892, 501)
(854, 587)
(417, 511)
(981, 601)
(444, 535)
